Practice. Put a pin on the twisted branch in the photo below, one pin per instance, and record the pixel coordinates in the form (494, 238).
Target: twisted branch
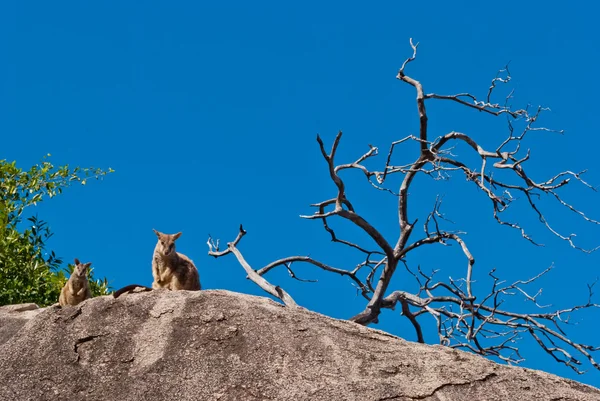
(463, 318)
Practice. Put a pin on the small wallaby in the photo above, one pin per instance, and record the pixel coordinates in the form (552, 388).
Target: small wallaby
(77, 289)
(172, 269)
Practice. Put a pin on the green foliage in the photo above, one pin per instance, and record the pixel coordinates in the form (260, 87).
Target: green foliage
(28, 272)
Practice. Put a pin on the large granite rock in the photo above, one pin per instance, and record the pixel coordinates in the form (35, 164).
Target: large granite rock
(218, 345)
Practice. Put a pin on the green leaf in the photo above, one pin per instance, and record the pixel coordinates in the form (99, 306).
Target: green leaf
(26, 275)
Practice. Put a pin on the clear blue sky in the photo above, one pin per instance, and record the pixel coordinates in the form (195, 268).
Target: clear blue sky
(208, 112)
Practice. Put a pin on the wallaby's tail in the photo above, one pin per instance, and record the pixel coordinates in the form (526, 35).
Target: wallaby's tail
(130, 288)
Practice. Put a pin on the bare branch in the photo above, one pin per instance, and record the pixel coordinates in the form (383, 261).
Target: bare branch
(464, 317)
(276, 291)
(306, 259)
(341, 200)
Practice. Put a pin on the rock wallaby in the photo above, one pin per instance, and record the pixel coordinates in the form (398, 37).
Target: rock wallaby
(172, 269)
(77, 289)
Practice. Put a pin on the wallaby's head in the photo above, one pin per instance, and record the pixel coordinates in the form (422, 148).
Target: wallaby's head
(81, 269)
(166, 242)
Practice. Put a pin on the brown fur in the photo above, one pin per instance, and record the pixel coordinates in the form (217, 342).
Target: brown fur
(77, 289)
(172, 269)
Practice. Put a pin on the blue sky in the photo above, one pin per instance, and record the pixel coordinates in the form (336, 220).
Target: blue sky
(208, 112)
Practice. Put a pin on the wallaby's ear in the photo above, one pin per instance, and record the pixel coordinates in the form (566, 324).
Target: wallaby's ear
(77, 262)
(156, 232)
(87, 265)
(175, 236)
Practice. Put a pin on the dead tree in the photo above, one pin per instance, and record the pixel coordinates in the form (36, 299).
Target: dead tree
(478, 323)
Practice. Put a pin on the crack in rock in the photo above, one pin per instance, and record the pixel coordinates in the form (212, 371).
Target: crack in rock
(422, 397)
(75, 314)
(486, 377)
(83, 340)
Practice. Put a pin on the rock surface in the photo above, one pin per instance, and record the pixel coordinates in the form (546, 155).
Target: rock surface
(13, 317)
(218, 345)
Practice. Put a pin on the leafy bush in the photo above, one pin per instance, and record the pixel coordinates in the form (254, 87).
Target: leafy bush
(28, 272)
